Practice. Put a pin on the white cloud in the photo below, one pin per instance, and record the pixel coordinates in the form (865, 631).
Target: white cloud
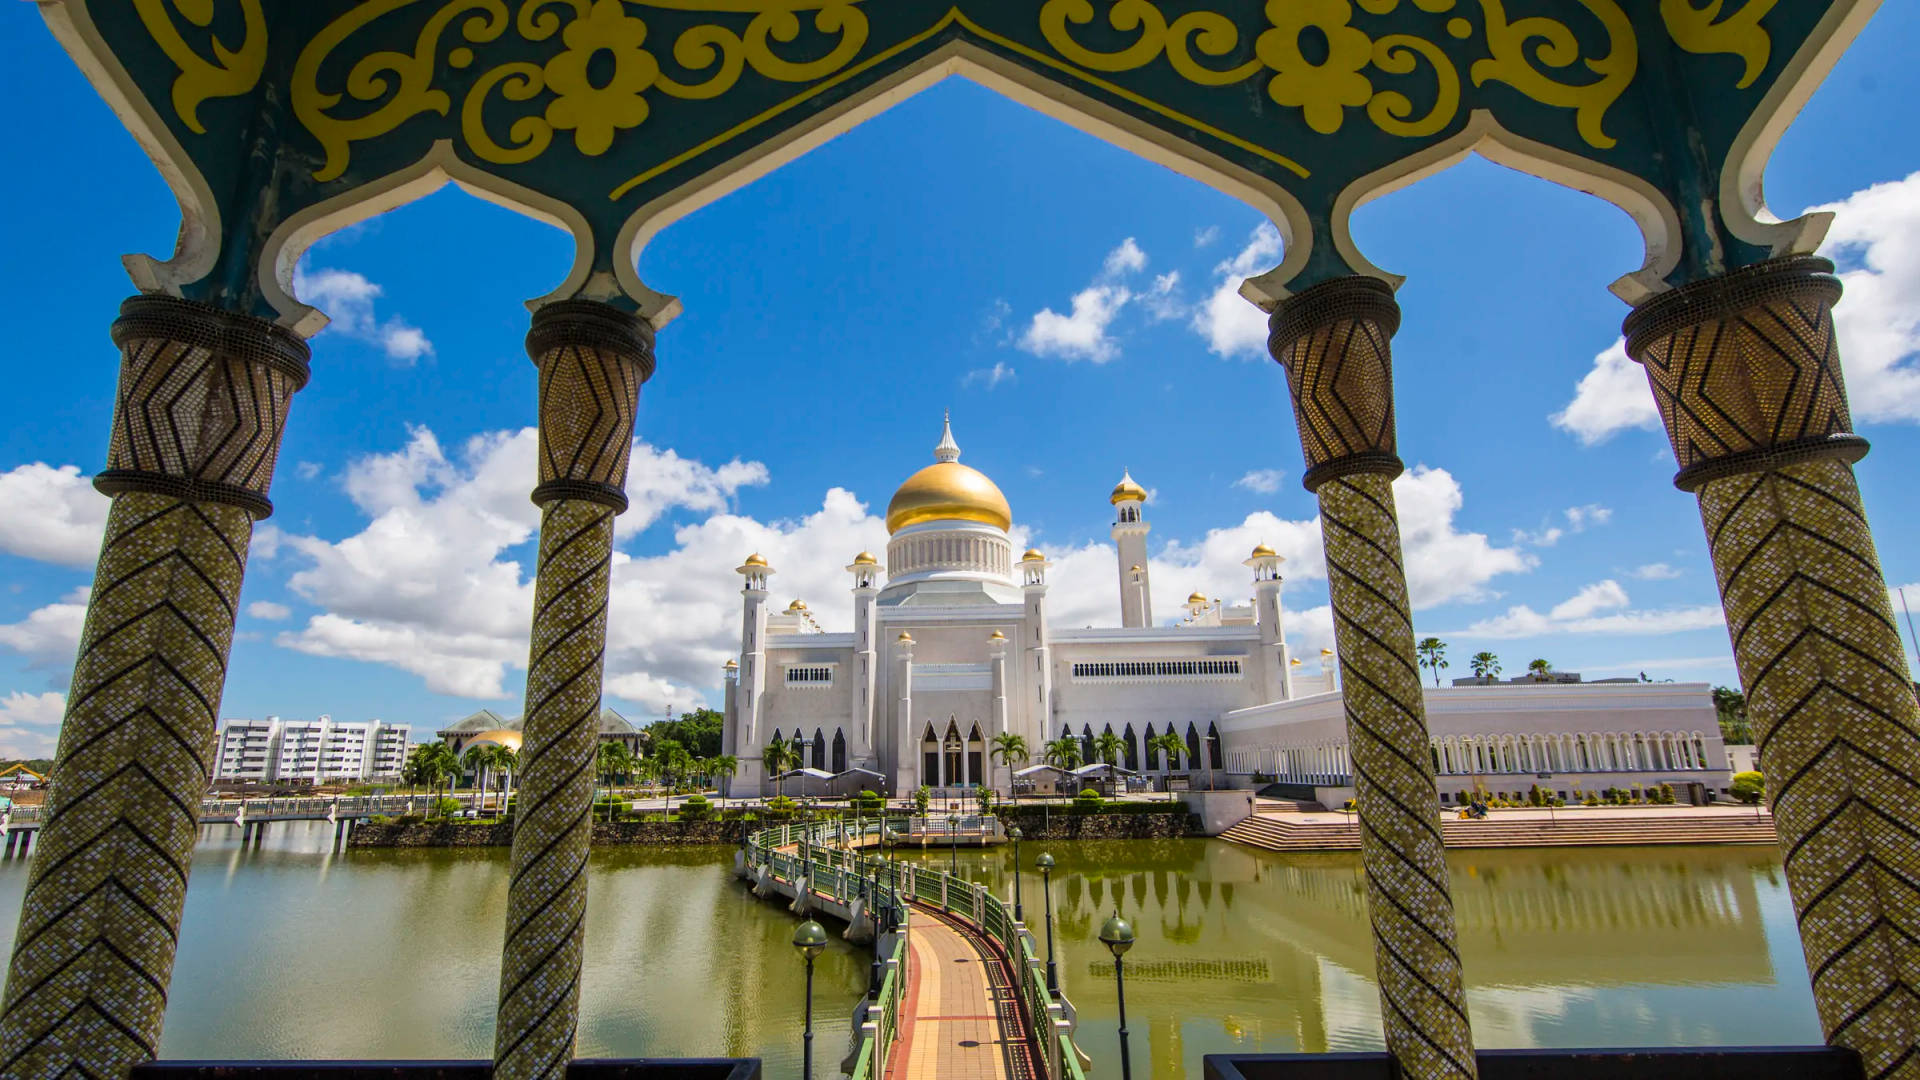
(1597, 597)
(1875, 240)
(1655, 571)
(52, 514)
(989, 377)
(1578, 519)
(1125, 259)
(49, 637)
(1231, 325)
(1163, 299)
(1203, 237)
(30, 724)
(1081, 335)
(267, 609)
(1581, 613)
(1609, 399)
(307, 470)
(1591, 514)
(348, 299)
(1264, 481)
(426, 586)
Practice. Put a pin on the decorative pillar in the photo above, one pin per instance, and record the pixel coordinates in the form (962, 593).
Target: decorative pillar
(1334, 342)
(1746, 372)
(201, 406)
(592, 359)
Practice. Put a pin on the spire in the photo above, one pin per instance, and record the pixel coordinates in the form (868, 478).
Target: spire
(948, 450)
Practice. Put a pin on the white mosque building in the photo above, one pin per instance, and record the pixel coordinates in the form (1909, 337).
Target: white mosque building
(951, 645)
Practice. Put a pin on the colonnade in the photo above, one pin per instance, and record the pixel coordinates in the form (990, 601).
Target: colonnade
(1624, 751)
(1743, 367)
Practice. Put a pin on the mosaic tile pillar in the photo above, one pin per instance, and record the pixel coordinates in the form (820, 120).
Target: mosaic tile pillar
(1746, 372)
(202, 402)
(592, 359)
(1335, 342)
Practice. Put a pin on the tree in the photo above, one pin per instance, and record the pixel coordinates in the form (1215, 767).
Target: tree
(1009, 749)
(613, 759)
(779, 756)
(1062, 753)
(1109, 747)
(1748, 786)
(1731, 707)
(1433, 655)
(1539, 669)
(698, 731)
(722, 765)
(1171, 745)
(1485, 665)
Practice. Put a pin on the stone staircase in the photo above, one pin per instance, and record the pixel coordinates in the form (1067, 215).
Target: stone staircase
(1286, 832)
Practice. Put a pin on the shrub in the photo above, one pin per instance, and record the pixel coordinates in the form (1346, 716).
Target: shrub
(1664, 795)
(1088, 802)
(922, 796)
(696, 808)
(869, 801)
(1534, 798)
(1747, 787)
(1592, 799)
(1558, 801)
(380, 819)
(781, 808)
(444, 807)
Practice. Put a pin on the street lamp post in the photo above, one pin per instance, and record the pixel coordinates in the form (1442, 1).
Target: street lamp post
(1045, 863)
(811, 940)
(1117, 936)
(1019, 912)
(953, 840)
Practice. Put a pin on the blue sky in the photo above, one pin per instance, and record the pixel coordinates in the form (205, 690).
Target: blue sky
(1069, 302)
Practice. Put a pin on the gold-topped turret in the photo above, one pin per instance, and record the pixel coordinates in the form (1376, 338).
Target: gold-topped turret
(1127, 490)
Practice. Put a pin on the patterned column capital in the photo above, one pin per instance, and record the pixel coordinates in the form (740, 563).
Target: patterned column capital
(202, 402)
(1335, 342)
(593, 359)
(1745, 369)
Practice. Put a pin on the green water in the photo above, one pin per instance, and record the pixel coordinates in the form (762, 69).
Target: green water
(289, 951)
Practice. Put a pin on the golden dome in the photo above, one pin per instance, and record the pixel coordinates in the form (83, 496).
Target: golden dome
(865, 558)
(730, 666)
(1126, 490)
(756, 559)
(1326, 652)
(905, 637)
(1295, 661)
(500, 737)
(1134, 569)
(948, 491)
(796, 606)
(1033, 554)
(996, 636)
(1262, 551)
(1196, 598)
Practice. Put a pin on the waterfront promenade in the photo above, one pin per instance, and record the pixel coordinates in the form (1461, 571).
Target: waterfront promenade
(1281, 827)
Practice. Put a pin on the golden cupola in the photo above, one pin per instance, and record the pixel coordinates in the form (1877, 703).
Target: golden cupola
(948, 491)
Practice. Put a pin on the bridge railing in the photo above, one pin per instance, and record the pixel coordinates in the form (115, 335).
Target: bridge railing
(824, 856)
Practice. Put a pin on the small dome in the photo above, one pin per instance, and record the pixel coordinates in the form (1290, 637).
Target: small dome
(1295, 661)
(756, 559)
(905, 638)
(731, 666)
(1326, 652)
(796, 606)
(1135, 568)
(996, 636)
(1262, 551)
(1196, 598)
(1127, 491)
(865, 558)
(1033, 554)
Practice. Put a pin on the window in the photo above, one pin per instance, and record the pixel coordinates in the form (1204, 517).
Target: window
(1216, 668)
(809, 676)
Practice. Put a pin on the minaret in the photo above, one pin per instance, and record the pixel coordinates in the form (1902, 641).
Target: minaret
(1130, 534)
(1033, 582)
(753, 666)
(997, 664)
(866, 586)
(730, 711)
(906, 742)
(1276, 674)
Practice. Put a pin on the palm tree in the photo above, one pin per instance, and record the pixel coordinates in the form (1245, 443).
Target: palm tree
(1062, 753)
(1485, 665)
(505, 761)
(779, 756)
(479, 758)
(444, 764)
(1009, 748)
(1171, 745)
(722, 765)
(1433, 655)
(1540, 669)
(1109, 747)
(612, 760)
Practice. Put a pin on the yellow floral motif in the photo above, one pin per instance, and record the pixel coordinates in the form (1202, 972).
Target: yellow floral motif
(1695, 30)
(593, 113)
(1553, 44)
(230, 73)
(1323, 91)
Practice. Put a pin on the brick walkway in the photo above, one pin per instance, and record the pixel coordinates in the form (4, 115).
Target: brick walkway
(962, 1017)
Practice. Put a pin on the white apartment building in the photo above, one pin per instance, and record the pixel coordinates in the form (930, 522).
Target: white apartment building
(310, 751)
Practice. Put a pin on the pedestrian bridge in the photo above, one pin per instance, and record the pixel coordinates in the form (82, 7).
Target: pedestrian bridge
(959, 988)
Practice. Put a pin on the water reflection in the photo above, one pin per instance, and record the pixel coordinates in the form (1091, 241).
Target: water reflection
(1253, 951)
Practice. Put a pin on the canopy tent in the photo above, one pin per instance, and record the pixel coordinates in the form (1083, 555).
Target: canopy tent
(1101, 768)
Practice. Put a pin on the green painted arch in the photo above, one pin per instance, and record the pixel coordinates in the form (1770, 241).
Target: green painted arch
(276, 123)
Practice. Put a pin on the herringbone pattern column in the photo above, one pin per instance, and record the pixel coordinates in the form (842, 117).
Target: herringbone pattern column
(1335, 342)
(202, 402)
(1748, 379)
(593, 360)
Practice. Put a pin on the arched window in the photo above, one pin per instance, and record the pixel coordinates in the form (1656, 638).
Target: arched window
(1213, 746)
(930, 759)
(839, 751)
(1133, 751)
(1086, 744)
(1153, 752)
(819, 749)
(1193, 745)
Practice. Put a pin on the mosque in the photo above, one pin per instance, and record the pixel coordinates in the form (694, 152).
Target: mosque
(951, 645)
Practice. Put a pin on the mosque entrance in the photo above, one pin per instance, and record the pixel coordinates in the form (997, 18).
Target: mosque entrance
(278, 123)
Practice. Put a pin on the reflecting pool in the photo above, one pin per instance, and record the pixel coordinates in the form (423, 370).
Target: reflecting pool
(288, 950)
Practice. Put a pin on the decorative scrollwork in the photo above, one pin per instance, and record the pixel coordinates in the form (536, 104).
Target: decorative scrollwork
(1695, 30)
(1552, 44)
(230, 73)
(594, 107)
